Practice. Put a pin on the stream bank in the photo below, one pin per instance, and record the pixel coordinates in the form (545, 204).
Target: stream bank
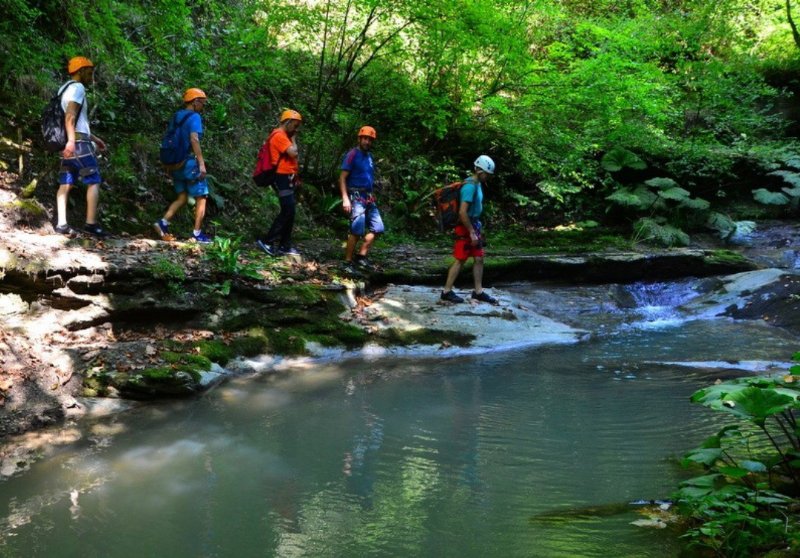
(137, 318)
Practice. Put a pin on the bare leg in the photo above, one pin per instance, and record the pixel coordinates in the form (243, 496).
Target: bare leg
(477, 274)
(61, 203)
(367, 244)
(92, 197)
(351, 246)
(452, 275)
(199, 212)
(176, 205)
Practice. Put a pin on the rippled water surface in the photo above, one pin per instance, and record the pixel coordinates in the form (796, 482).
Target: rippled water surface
(457, 457)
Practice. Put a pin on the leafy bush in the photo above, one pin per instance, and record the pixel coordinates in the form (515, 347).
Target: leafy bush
(744, 503)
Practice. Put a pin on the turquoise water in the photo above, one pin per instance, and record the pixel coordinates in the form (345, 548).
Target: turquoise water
(391, 458)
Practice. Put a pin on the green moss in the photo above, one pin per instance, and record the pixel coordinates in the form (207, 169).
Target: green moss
(299, 294)
(725, 257)
(249, 346)
(191, 363)
(27, 208)
(215, 351)
(287, 341)
(393, 336)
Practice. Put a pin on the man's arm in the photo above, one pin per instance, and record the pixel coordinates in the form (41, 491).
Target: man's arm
(70, 120)
(346, 207)
(194, 138)
(467, 222)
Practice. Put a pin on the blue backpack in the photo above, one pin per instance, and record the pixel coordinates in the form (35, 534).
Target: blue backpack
(174, 148)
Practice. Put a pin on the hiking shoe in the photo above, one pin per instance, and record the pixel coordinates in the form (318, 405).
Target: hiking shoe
(266, 248)
(350, 269)
(364, 263)
(201, 238)
(66, 230)
(451, 296)
(161, 227)
(483, 297)
(288, 252)
(95, 230)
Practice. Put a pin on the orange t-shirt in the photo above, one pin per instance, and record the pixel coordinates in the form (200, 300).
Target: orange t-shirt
(278, 145)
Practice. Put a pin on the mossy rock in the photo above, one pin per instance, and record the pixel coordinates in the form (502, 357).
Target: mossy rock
(393, 337)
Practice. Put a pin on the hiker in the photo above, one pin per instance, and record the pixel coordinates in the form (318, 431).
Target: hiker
(189, 176)
(469, 238)
(356, 183)
(78, 161)
(283, 152)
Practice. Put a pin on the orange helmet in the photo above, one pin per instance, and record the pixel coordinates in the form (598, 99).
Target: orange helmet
(368, 131)
(78, 62)
(290, 114)
(193, 93)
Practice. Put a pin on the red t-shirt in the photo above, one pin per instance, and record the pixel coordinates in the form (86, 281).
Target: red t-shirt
(278, 145)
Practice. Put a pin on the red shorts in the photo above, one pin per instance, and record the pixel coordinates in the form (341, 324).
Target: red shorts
(463, 248)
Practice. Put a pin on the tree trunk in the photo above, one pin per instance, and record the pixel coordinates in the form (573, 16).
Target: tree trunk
(792, 24)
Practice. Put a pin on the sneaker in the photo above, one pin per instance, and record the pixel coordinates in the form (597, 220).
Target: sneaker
(266, 248)
(288, 252)
(350, 269)
(201, 238)
(451, 296)
(66, 230)
(484, 297)
(95, 230)
(364, 263)
(161, 227)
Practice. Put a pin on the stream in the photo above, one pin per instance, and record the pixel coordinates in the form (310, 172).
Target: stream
(405, 456)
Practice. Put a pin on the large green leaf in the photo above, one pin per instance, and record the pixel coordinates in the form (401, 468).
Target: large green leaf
(696, 203)
(667, 235)
(764, 196)
(627, 198)
(662, 183)
(619, 158)
(792, 178)
(756, 404)
(674, 193)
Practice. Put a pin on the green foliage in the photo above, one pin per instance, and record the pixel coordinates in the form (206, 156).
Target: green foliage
(572, 100)
(667, 206)
(224, 254)
(742, 504)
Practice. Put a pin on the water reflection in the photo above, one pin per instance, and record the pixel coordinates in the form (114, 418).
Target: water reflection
(390, 458)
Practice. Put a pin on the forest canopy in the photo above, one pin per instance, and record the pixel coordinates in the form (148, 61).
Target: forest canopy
(576, 100)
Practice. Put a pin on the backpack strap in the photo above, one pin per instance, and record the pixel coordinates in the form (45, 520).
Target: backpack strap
(64, 90)
(281, 154)
(176, 125)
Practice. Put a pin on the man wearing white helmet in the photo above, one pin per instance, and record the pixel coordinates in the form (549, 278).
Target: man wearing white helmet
(469, 240)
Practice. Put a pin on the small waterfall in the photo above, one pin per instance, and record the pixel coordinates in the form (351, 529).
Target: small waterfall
(657, 304)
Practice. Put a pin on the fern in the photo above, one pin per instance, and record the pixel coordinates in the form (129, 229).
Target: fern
(650, 230)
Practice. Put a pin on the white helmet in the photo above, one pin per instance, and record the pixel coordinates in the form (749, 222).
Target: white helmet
(485, 163)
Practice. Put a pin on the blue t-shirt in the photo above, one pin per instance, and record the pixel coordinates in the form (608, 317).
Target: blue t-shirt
(192, 124)
(468, 193)
(362, 172)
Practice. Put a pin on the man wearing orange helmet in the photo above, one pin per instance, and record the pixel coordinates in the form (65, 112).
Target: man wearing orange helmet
(78, 160)
(283, 152)
(356, 185)
(189, 179)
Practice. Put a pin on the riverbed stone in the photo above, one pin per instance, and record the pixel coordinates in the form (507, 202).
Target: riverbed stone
(510, 324)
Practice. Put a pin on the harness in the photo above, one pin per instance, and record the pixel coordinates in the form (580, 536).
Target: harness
(362, 195)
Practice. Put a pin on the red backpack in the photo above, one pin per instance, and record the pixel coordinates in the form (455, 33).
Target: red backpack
(264, 173)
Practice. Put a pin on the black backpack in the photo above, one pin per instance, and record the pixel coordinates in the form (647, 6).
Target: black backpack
(53, 131)
(174, 150)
